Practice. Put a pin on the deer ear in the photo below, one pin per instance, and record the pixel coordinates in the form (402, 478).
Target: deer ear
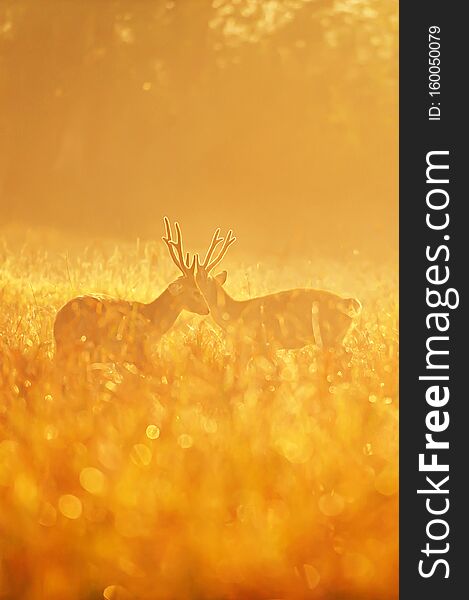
(221, 277)
(175, 288)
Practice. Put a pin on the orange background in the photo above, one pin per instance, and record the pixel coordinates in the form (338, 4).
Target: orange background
(277, 118)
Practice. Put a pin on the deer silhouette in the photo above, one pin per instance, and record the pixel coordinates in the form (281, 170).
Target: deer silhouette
(284, 320)
(121, 329)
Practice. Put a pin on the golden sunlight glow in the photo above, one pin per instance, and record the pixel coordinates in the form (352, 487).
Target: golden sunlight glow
(156, 455)
(279, 483)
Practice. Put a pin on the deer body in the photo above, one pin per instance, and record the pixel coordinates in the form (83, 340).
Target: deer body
(285, 320)
(117, 329)
(114, 329)
(291, 319)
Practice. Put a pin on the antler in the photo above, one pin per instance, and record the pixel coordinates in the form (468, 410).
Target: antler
(176, 249)
(210, 263)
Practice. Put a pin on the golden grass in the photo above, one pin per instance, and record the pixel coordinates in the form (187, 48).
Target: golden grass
(185, 482)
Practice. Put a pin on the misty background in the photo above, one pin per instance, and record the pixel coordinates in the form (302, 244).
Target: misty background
(277, 118)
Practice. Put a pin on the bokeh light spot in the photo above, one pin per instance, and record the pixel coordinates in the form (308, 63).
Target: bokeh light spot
(185, 440)
(70, 506)
(116, 592)
(331, 504)
(141, 455)
(312, 576)
(93, 480)
(153, 432)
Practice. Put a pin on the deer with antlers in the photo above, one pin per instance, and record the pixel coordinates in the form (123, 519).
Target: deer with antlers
(120, 329)
(285, 320)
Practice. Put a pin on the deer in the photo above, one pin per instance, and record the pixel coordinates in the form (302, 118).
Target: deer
(288, 320)
(119, 330)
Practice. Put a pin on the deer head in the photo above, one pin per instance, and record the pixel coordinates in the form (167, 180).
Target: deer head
(184, 289)
(208, 284)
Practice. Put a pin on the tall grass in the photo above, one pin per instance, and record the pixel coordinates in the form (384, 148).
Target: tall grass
(188, 481)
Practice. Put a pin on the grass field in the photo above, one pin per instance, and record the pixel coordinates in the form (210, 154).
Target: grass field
(182, 482)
